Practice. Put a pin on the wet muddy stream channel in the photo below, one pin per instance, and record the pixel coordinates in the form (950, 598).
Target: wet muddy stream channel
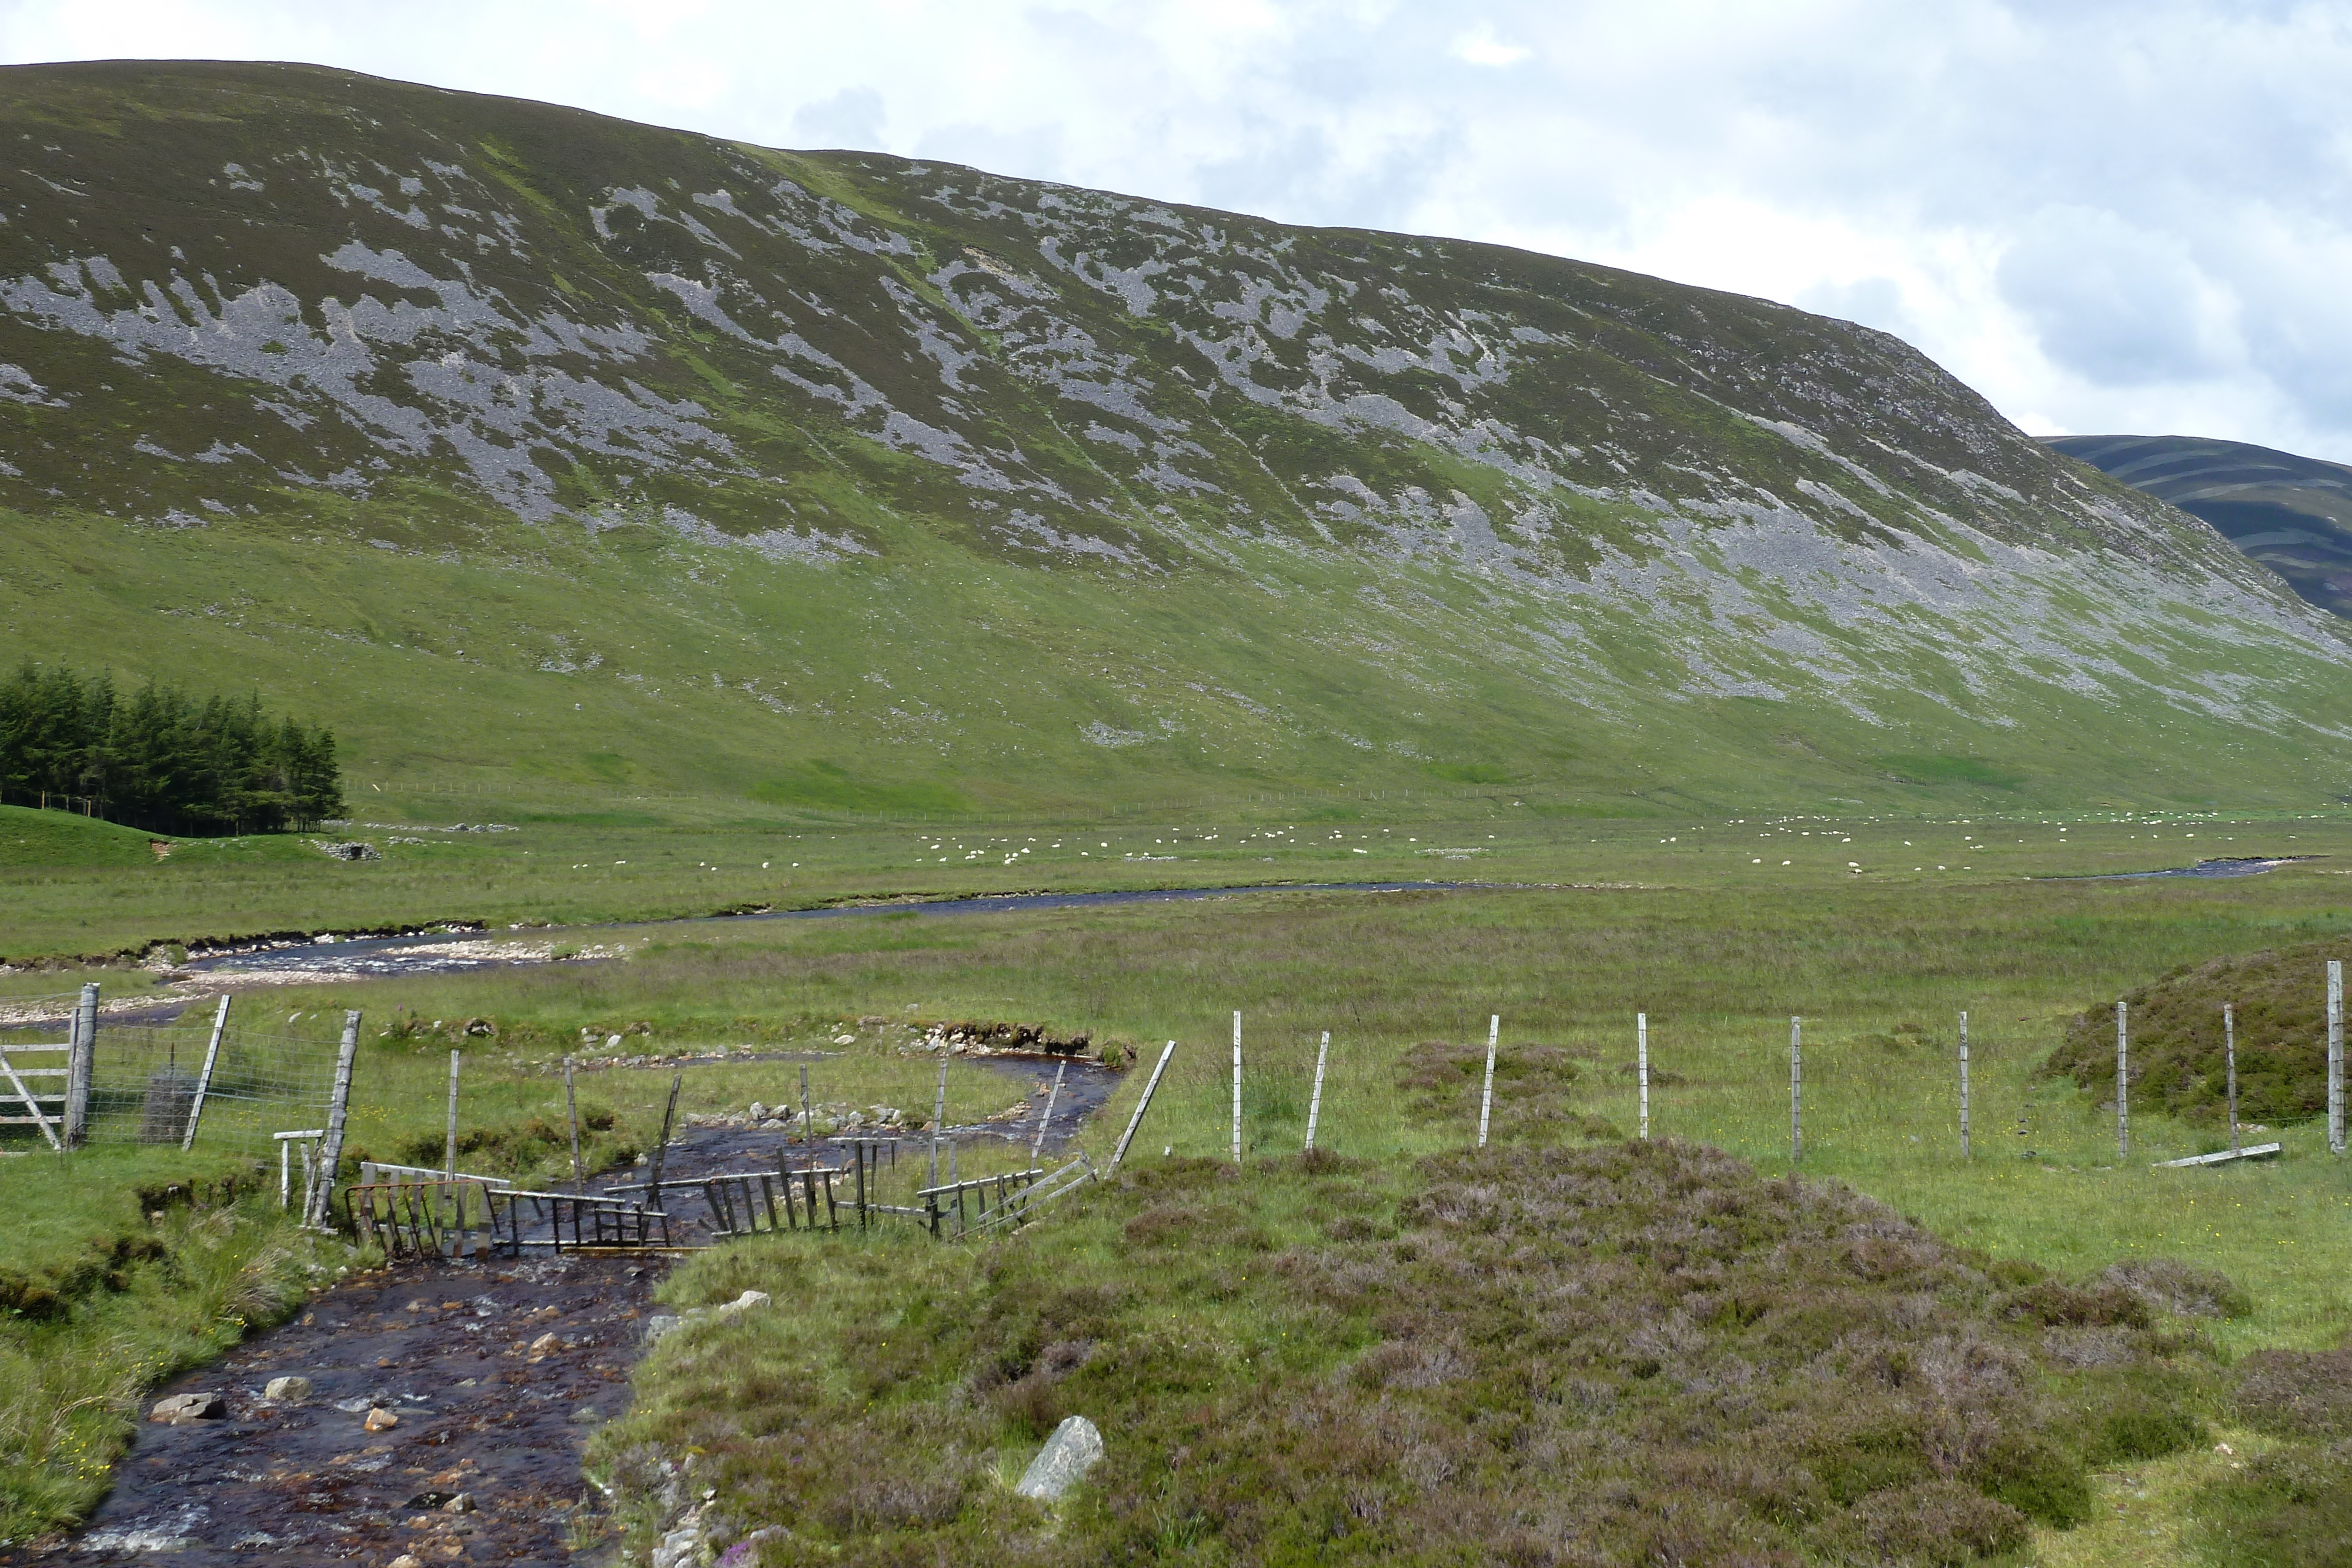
(496, 1373)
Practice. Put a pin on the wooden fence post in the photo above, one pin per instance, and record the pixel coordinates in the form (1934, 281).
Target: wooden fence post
(1314, 1100)
(1486, 1097)
(2335, 1056)
(449, 1151)
(1037, 1146)
(1964, 1084)
(1642, 1065)
(2123, 1080)
(204, 1079)
(661, 1147)
(81, 1061)
(1796, 1091)
(1237, 1088)
(572, 1104)
(2230, 1061)
(1141, 1105)
(939, 1116)
(330, 1154)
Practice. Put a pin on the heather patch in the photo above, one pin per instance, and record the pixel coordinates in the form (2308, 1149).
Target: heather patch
(2178, 1053)
(1625, 1352)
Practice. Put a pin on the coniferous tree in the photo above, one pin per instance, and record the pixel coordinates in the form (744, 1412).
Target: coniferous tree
(160, 759)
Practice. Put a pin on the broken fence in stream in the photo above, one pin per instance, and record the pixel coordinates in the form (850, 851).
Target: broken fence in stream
(79, 1078)
(429, 1214)
(416, 1213)
(474, 1216)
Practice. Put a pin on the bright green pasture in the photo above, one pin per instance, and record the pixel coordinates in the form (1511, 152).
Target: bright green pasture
(83, 896)
(1718, 952)
(1582, 925)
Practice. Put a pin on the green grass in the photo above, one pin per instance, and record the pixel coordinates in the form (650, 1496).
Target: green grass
(118, 1269)
(1311, 612)
(1602, 919)
(562, 872)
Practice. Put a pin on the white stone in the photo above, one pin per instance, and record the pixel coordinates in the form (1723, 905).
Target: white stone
(1075, 1449)
(287, 1390)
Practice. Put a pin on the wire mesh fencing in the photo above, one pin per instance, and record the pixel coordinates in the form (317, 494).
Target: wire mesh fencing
(212, 1080)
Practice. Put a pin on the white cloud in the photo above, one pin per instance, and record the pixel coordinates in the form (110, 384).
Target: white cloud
(2105, 215)
(1480, 47)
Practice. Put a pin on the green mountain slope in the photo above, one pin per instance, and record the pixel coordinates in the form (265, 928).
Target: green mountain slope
(2292, 514)
(564, 459)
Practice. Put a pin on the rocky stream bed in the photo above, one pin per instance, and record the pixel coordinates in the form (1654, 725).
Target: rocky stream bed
(494, 1373)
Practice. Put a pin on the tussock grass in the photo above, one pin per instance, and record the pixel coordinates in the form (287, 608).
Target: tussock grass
(71, 1374)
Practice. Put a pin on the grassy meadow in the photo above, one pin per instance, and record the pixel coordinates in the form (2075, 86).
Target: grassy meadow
(1576, 926)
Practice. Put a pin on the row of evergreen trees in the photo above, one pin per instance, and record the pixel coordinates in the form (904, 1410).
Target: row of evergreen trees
(160, 759)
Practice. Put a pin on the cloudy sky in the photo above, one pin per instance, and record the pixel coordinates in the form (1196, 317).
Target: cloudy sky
(2124, 216)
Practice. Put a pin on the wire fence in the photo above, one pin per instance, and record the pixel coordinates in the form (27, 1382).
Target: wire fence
(215, 1078)
(235, 1083)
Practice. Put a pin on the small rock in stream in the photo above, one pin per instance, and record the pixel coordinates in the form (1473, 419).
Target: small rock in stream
(380, 1420)
(287, 1390)
(183, 1408)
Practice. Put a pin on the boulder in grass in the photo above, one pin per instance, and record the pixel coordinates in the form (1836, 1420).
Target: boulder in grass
(1075, 1449)
(183, 1408)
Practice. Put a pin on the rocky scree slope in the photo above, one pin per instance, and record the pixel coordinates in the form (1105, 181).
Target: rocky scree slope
(578, 455)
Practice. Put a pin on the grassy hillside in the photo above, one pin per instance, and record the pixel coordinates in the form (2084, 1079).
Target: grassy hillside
(586, 467)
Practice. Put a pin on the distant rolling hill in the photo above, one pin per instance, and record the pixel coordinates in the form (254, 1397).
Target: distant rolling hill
(2292, 514)
(570, 460)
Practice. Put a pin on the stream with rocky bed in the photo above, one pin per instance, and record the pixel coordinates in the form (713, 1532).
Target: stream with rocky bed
(494, 1374)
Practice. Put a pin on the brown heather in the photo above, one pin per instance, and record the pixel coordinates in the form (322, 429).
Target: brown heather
(1628, 1352)
(2178, 1061)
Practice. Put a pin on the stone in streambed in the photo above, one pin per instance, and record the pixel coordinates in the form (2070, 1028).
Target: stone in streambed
(183, 1408)
(287, 1390)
